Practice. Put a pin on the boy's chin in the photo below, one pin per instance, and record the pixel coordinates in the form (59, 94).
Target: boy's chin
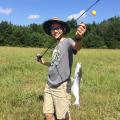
(58, 37)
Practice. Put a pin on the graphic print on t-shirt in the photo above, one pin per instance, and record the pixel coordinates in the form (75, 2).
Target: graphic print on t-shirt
(55, 57)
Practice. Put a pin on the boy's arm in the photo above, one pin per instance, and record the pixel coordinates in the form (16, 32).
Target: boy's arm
(44, 62)
(79, 35)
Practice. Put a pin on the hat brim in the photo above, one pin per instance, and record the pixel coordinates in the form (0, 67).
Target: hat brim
(47, 26)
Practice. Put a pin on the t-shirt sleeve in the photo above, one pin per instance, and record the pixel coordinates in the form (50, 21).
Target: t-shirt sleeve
(71, 43)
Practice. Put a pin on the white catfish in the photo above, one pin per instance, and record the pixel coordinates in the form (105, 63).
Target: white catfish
(76, 84)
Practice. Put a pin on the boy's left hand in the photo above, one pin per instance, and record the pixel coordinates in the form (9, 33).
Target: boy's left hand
(80, 31)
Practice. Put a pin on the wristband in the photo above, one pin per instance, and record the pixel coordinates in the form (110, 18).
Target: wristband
(78, 39)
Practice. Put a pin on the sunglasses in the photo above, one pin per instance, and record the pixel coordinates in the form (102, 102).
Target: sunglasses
(56, 28)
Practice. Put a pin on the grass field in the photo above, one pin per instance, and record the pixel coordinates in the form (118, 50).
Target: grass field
(22, 82)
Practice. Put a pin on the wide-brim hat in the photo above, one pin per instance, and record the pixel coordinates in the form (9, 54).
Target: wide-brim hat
(47, 25)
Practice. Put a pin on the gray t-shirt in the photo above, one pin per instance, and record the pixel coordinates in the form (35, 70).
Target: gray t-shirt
(61, 63)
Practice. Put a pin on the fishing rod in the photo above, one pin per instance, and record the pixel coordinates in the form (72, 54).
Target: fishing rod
(40, 56)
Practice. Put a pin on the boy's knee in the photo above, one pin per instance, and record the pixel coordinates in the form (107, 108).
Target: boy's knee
(49, 116)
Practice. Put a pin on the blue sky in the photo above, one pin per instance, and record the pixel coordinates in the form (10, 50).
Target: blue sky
(25, 12)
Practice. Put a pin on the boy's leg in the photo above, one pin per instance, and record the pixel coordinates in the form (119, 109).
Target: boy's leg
(62, 101)
(48, 106)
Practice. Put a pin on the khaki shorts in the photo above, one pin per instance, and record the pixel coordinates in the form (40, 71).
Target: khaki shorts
(57, 100)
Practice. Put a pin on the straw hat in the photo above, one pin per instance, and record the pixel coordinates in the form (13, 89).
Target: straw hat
(47, 25)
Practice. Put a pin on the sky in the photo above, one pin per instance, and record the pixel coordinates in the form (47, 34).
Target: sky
(26, 12)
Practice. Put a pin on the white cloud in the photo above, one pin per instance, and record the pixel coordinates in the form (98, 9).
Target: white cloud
(5, 11)
(76, 15)
(31, 17)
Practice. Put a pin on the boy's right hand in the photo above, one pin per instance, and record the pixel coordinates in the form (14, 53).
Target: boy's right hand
(39, 59)
(42, 61)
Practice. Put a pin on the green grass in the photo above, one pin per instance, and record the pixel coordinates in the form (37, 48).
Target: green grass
(22, 82)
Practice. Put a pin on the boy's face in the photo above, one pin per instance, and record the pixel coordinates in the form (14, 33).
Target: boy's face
(56, 31)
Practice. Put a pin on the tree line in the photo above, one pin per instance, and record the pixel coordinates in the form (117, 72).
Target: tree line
(99, 35)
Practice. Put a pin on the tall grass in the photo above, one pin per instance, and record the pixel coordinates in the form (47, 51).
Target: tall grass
(22, 82)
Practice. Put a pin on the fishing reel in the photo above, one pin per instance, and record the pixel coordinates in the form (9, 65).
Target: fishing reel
(38, 57)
